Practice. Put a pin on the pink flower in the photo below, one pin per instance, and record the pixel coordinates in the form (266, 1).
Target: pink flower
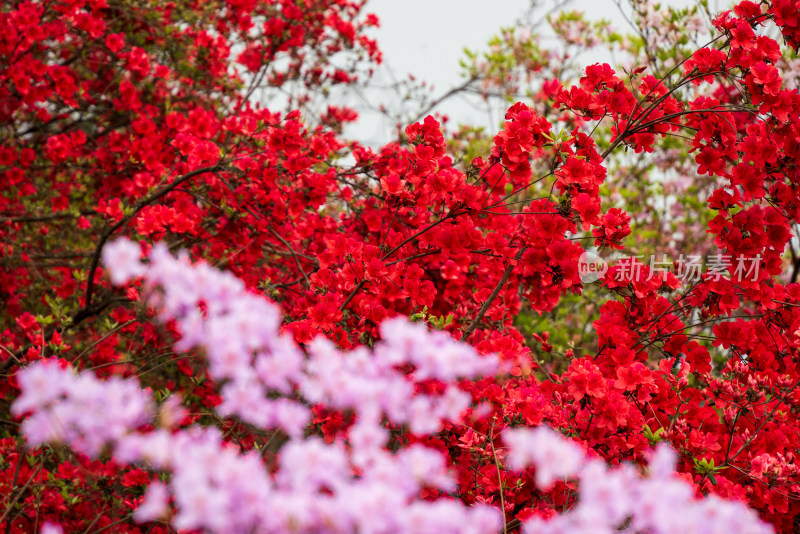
(155, 504)
(40, 385)
(85, 412)
(122, 259)
(553, 456)
(51, 528)
(608, 491)
(662, 462)
(426, 467)
(171, 412)
(312, 465)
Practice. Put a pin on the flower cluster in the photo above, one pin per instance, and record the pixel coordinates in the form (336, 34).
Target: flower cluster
(660, 502)
(78, 409)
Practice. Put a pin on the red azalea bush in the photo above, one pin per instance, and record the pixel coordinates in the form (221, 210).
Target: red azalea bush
(125, 121)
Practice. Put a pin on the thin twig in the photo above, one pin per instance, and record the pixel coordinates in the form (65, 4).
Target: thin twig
(509, 268)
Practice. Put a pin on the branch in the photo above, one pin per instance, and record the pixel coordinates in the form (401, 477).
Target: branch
(509, 268)
(43, 218)
(293, 253)
(137, 208)
(448, 94)
(352, 295)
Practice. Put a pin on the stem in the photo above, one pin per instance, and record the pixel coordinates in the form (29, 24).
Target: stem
(509, 268)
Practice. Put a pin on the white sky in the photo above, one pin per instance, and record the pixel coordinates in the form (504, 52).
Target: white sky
(427, 37)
